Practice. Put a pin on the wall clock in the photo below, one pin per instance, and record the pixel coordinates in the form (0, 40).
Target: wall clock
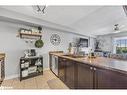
(55, 39)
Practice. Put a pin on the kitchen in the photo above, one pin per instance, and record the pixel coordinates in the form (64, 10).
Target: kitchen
(80, 48)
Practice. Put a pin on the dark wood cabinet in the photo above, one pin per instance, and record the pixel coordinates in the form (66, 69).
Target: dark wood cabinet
(108, 79)
(70, 74)
(61, 68)
(85, 76)
(90, 77)
(66, 71)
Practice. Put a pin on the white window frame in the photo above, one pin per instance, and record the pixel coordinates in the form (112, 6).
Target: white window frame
(114, 40)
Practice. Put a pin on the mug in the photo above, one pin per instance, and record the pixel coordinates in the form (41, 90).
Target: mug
(22, 65)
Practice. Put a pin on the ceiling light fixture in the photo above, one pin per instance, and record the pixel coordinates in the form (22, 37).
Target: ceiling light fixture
(116, 29)
(39, 9)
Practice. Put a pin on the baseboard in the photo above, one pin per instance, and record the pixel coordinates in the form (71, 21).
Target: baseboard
(11, 76)
(46, 69)
(17, 75)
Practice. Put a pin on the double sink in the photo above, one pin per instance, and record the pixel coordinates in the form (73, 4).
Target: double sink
(74, 56)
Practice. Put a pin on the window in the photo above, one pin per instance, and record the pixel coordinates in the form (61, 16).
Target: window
(120, 45)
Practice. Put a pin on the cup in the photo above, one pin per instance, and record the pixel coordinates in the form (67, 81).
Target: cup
(22, 65)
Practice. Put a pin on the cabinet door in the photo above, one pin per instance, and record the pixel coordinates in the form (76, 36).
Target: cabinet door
(107, 79)
(61, 68)
(85, 76)
(70, 73)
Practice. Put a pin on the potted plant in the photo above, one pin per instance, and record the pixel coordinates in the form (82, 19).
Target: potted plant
(39, 43)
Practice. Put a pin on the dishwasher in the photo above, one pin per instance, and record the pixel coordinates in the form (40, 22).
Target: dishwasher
(54, 65)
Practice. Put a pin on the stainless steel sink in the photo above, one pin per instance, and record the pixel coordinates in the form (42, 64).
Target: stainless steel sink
(74, 56)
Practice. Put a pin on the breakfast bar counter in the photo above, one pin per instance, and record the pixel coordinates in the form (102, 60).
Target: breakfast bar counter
(92, 73)
(109, 63)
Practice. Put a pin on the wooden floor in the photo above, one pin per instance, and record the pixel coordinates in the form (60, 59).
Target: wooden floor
(46, 81)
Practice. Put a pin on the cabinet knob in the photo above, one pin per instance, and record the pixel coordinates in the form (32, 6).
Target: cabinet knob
(91, 68)
(95, 69)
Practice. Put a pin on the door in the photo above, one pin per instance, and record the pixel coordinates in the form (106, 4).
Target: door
(108, 79)
(70, 74)
(61, 68)
(85, 76)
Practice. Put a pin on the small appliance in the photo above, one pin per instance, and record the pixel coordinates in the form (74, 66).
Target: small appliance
(30, 52)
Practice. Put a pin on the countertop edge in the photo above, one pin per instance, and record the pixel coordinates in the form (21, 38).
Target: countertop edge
(97, 66)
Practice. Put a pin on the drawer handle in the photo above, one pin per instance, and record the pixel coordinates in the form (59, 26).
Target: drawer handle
(95, 69)
(91, 68)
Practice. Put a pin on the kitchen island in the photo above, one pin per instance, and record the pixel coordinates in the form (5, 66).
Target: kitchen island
(92, 73)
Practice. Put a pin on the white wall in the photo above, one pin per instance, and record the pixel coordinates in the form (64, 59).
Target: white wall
(14, 46)
(107, 42)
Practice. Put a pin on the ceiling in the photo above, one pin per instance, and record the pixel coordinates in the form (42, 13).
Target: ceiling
(95, 20)
(102, 21)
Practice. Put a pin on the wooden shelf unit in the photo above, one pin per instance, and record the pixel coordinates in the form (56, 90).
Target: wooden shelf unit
(30, 35)
(31, 61)
(2, 70)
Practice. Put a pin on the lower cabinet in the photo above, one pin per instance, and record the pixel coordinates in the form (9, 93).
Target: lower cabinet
(90, 77)
(70, 74)
(83, 76)
(66, 71)
(107, 79)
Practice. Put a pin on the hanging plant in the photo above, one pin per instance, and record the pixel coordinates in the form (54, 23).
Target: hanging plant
(39, 43)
